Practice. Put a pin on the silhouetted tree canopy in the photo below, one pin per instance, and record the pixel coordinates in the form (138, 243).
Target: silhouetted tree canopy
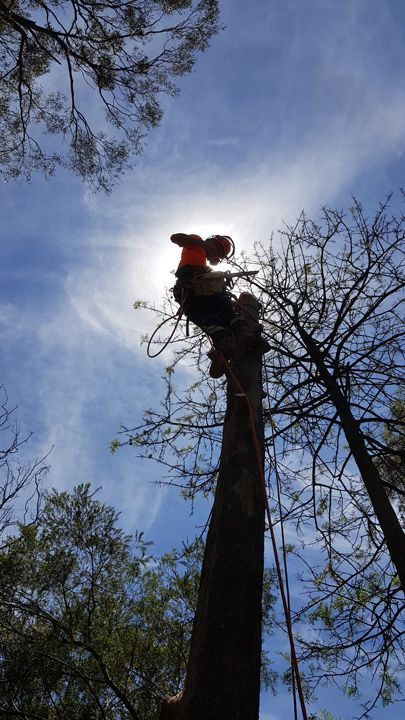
(20, 479)
(91, 624)
(90, 73)
(332, 309)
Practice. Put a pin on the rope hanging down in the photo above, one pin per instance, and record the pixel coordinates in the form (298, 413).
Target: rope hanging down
(179, 315)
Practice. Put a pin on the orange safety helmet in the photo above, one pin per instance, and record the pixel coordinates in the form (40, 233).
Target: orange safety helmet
(225, 243)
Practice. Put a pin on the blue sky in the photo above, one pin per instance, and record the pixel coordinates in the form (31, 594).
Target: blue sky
(297, 104)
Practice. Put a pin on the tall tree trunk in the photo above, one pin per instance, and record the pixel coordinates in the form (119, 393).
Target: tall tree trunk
(386, 516)
(223, 674)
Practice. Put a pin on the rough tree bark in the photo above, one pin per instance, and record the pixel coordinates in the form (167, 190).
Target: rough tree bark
(223, 674)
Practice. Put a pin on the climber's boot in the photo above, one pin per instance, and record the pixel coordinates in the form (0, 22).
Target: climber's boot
(223, 350)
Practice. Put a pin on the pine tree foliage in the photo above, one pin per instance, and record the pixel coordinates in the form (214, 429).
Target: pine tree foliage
(127, 53)
(91, 624)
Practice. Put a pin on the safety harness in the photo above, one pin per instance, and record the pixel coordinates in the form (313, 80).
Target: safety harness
(206, 282)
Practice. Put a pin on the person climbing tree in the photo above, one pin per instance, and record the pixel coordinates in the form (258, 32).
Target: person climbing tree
(206, 303)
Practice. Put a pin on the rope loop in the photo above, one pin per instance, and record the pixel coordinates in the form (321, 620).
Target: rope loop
(179, 315)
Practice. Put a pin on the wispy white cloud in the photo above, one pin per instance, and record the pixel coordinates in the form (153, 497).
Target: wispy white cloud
(79, 337)
(206, 170)
(73, 372)
(136, 263)
(274, 184)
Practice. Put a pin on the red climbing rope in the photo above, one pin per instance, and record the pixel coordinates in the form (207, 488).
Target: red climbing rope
(294, 661)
